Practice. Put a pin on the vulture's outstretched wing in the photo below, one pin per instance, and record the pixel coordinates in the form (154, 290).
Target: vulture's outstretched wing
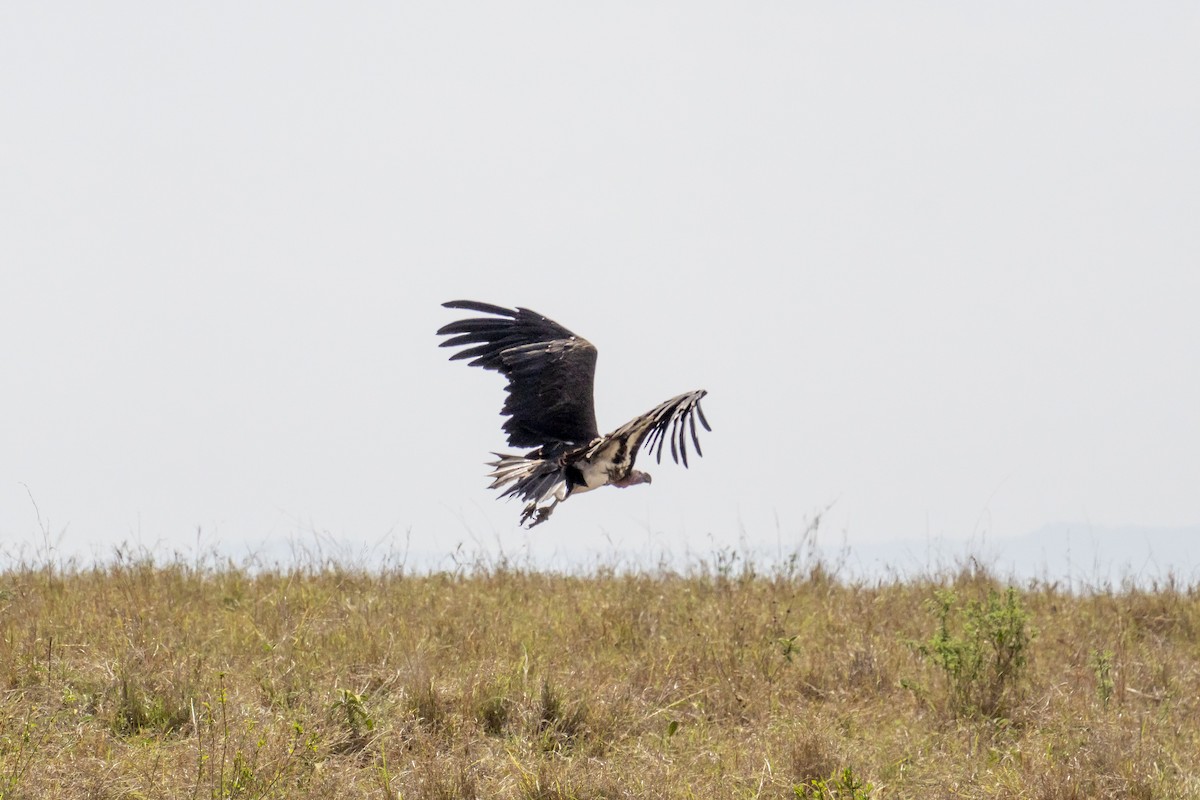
(673, 421)
(549, 369)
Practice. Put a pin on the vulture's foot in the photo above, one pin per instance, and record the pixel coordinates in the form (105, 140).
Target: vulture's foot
(538, 515)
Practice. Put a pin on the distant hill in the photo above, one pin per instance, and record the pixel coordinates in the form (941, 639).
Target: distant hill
(1075, 553)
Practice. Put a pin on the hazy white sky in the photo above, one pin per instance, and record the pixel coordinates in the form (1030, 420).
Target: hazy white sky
(938, 264)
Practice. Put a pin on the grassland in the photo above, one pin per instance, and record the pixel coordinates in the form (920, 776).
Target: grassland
(140, 678)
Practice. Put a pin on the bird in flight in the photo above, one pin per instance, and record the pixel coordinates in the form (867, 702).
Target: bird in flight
(550, 408)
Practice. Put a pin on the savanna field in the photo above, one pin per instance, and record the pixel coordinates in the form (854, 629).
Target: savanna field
(149, 678)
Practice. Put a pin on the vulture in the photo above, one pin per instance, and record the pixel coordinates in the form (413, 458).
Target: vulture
(550, 409)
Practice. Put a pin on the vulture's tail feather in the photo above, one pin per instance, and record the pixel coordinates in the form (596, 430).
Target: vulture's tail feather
(541, 482)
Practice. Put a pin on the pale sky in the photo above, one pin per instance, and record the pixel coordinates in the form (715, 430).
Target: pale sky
(938, 265)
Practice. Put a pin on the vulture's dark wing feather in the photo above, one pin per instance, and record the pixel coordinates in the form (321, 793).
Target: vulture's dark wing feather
(671, 420)
(550, 371)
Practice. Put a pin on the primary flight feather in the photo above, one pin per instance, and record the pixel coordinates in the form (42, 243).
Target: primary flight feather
(550, 408)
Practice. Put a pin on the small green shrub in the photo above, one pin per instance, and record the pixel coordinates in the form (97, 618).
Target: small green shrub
(357, 724)
(1102, 665)
(982, 649)
(844, 785)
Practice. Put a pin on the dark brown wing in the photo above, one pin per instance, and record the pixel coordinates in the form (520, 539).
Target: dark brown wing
(550, 371)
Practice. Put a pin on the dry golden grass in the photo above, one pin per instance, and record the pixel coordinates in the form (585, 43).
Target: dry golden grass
(139, 679)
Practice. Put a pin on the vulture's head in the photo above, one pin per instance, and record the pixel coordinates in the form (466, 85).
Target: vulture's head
(633, 479)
